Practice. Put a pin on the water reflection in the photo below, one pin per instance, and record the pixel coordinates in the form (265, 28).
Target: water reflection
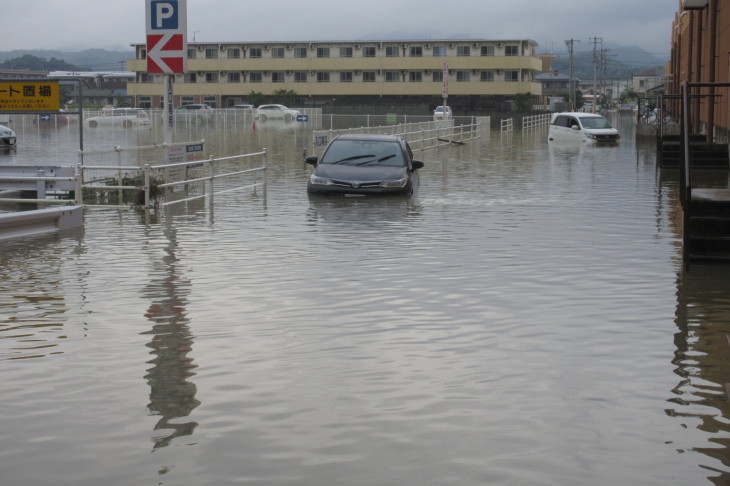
(33, 301)
(172, 395)
(702, 354)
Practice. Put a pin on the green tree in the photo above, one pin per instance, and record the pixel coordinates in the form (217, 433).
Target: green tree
(283, 96)
(523, 101)
(256, 98)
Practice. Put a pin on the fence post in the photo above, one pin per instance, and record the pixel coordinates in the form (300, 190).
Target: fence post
(146, 186)
(211, 175)
(79, 183)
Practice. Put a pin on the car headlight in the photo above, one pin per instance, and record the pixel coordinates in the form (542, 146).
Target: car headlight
(590, 135)
(396, 183)
(322, 181)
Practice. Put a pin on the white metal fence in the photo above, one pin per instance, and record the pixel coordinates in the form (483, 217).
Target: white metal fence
(420, 135)
(531, 122)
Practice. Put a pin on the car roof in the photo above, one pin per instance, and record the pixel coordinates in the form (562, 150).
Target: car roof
(369, 137)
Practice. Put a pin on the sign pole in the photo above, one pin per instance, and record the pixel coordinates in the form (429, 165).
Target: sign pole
(168, 110)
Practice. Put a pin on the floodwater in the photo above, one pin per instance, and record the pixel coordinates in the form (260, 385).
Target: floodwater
(523, 320)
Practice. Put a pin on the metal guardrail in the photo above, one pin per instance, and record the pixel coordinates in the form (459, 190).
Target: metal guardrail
(45, 181)
(190, 175)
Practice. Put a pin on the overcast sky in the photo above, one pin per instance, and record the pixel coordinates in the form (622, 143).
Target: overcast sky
(75, 25)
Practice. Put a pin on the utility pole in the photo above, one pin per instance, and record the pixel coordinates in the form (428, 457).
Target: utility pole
(571, 87)
(595, 41)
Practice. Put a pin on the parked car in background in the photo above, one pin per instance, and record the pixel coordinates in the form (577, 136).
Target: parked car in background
(123, 117)
(194, 112)
(7, 136)
(442, 113)
(582, 127)
(244, 107)
(364, 165)
(280, 112)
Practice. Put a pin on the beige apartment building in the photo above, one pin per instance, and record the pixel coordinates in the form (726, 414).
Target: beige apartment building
(346, 72)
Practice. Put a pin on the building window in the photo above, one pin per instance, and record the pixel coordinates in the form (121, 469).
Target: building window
(511, 75)
(437, 76)
(487, 76)
(255, 77)
(277, 53)
(391, 51)
(511, 51)
(487, 50)
(323, 77)
(462, 76)
(190, 78)
(346, 77)
(234, 77)
(278, 77)
(254, 53)
(463, 51)
(211, 77)
(368, 77)
(368, 52)
(392, 76)
(416, 51)
(300, 77)
(415, 76)
(209, 100)
(345, 51)
(211, 53)
(187, 100)
(300, 52)
(143, 53)
(191, 53)
(234, 53)
(439, 51)
(323, 52)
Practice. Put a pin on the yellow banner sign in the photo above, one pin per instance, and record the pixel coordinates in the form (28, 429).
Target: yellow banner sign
(30, 96)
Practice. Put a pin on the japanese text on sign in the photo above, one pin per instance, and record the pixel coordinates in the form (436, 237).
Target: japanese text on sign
(29, 96)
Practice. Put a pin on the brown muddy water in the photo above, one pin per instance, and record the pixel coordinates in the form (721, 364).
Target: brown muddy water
(524, 319)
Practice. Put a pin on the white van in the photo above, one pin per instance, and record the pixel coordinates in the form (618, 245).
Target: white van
(582, 127)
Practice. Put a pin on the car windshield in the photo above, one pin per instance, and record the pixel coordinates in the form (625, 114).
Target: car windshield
(594, 122)
(364, 152)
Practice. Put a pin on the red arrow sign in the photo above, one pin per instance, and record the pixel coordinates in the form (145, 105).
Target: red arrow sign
(166, 54)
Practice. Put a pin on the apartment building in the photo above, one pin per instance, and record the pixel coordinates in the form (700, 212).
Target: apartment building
(342, 72)
(700, 46)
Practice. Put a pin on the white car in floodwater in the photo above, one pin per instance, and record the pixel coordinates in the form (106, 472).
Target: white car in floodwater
(7, 136)
(582, 127)
(120, 117)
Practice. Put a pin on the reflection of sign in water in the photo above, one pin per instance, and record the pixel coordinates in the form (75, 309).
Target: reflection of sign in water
(30, 96)
(182, 153)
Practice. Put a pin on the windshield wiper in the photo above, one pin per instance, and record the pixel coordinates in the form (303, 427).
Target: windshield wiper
(354, 157)
(386, 157)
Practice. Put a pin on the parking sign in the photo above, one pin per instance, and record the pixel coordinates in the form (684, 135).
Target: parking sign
(167, 27)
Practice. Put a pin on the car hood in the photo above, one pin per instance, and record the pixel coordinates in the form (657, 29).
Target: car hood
(6, 132)
(601, 131)
(364, 173)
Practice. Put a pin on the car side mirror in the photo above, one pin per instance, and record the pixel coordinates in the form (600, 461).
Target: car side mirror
(311, 160)
(416, 164)
(575, 127)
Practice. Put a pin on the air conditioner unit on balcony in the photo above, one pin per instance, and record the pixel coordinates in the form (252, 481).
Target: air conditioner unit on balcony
(222, 47)
(499, 44)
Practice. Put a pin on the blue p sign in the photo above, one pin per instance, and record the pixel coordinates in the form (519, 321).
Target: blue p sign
(164, 15)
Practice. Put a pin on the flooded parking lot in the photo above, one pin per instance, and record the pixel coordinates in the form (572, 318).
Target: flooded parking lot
(523, 319)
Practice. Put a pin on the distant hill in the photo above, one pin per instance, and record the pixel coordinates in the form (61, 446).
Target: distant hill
(91, 59)
(621, 61)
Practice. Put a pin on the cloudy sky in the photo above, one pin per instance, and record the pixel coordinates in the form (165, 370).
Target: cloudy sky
(75, 25)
